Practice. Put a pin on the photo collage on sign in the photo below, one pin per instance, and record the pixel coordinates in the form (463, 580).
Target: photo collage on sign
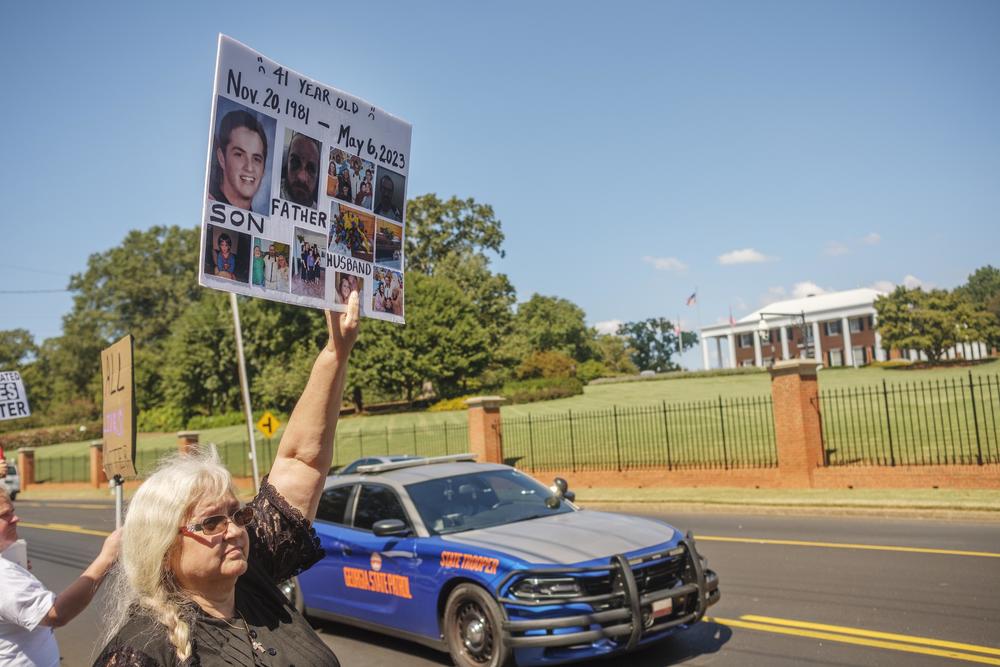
(272, 229)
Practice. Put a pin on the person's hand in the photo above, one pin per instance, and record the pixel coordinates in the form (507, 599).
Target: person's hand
(343, 327)
(112, 545)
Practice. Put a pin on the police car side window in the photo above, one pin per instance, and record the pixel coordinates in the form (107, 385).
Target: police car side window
(333, 504)
(375, 504)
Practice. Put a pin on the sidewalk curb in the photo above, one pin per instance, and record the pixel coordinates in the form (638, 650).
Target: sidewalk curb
(798, 509)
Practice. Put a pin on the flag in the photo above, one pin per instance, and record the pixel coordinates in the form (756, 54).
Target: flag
(691, 300)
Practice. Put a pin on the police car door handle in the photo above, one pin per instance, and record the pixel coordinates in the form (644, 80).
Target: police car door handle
(346, 549)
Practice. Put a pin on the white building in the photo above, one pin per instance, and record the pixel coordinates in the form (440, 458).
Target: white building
(838, 328)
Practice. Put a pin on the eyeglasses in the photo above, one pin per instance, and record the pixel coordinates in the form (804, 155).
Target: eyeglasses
(214, 525)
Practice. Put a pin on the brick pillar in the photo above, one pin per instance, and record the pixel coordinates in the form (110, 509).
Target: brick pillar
(98, 478)
(186, 441)
(26, 467)
(485, 433)
(795, 394)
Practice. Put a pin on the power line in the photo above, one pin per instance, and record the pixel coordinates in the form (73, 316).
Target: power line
(31, 291)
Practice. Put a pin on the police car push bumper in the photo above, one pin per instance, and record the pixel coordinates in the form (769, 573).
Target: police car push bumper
(633, 613)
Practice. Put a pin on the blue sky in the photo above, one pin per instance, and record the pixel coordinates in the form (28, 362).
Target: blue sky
(634, 151)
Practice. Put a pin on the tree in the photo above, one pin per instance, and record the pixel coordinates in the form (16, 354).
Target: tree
(983, 289)
(441, 342)
(17, 346)
(615, 354)
(455, 239)
(545, 323)
(437, 229)
(931, 321)
(653, 342)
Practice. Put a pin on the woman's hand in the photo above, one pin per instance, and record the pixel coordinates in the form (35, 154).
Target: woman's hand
(343, 327)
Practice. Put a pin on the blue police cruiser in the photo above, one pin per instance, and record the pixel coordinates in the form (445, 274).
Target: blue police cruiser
(484, 562)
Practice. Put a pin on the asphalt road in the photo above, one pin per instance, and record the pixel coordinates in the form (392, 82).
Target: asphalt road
(796, 590)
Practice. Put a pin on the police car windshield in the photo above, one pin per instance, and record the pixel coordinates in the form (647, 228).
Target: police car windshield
(480, 500)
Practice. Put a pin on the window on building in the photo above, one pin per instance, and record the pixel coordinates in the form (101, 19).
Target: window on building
(836, 358)
(860, 356)
(746, 340)
(857, 324)
(833, 328)
(746, 362)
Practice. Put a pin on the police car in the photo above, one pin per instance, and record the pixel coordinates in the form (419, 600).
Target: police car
(484, 562)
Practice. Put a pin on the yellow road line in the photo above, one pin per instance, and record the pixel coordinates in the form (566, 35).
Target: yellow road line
(70, 506)
(941, 643)
(844, 545)
(64, 528)
(857, 641)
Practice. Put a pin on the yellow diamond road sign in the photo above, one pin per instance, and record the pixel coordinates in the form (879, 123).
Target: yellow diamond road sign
(268, 424)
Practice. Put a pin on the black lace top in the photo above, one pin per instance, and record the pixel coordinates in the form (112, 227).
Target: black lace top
(282, 544)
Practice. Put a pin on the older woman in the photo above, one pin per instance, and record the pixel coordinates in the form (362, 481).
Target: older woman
(199, 573)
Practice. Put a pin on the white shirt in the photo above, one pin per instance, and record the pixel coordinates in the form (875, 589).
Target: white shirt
(24, 602)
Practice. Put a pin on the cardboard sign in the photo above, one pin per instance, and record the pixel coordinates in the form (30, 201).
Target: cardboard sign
(268, 424)
(119, 408)
(13, 398)
(305, 190)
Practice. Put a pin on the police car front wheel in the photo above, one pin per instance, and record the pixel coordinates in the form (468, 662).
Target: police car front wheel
(473, 629)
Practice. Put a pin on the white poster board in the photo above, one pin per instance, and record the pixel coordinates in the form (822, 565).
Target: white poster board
(13, 398)
(305, 190)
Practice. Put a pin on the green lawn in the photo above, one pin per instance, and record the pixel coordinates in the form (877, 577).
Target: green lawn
(425, 431)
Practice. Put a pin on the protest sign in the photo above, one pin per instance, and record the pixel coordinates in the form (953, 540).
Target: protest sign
(305, 190)
(119, 408)
(13, 399)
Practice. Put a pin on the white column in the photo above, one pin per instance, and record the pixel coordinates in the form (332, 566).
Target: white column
(817, 348)
(718, 351)
(731, 339)
(757, 358)
(846, 333)
(880, 354)
(784, 342)
(704, 352)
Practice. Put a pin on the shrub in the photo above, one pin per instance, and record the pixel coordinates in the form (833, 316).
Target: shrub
(591, 370)
(449, 404)
(548, 364)
(892, 363)
(161, 419)
(53, 435)
(542, 389)
(201, 422)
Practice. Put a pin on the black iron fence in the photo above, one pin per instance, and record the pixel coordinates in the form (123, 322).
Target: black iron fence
(722, 433)
(938, 422)
(74, 468)
(435, 440)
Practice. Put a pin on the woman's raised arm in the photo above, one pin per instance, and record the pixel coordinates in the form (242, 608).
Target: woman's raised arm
(306, 449)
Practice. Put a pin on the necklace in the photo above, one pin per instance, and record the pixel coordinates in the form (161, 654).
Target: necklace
(250, 634)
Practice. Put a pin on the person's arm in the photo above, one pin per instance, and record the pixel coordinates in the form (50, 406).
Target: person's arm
(306, 449)
(78, 594)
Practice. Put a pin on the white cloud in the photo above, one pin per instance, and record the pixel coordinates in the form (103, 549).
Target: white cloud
(872, 238)
(776, 293)
(807, 288)
(912, 282)
(744, 256)
(665, 263)
(836, 249)
(883, 285)
(608, 326)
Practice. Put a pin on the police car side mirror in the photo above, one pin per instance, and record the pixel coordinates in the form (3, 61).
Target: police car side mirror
(390, 528)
